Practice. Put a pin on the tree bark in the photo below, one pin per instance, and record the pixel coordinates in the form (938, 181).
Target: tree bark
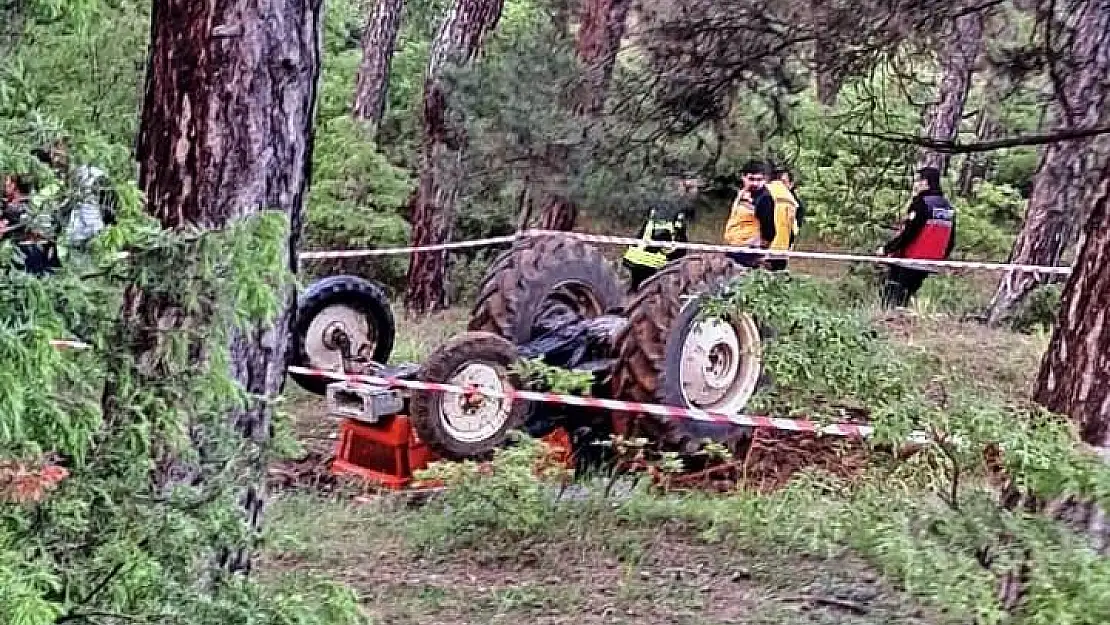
(828, 75)
(942, 120)
(600, 32)
(1074, 378)
(378, 41)
(433, 204)
(1067, 178)
(978, 166)
(226, 133)
(602, 25)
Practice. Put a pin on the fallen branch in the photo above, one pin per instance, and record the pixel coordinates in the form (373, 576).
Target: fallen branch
(955, 147)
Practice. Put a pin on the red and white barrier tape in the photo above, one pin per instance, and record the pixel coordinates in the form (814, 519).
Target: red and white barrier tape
(709, 247)
(700, 247)
(794, 425)
(388, 251)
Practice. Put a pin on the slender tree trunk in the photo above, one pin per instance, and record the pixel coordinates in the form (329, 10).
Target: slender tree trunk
(828, 75)
(433, 204)
(1067, 178)
(378, 41)
(978, 166)
(942, 121)
(600, 33)
(227, 130)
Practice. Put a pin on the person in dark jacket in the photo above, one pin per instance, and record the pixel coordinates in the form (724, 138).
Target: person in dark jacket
(751, 221)
(927, 233)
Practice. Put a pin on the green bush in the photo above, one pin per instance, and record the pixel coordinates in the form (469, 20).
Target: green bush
(1038, 312)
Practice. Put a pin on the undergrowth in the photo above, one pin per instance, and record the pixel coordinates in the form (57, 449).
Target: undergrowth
(930, 521)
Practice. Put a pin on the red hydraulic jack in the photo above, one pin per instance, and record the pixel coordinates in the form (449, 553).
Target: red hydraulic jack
(377, 443)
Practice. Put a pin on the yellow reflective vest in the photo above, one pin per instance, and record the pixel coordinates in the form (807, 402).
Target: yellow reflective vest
(641, 255)
(786, 215)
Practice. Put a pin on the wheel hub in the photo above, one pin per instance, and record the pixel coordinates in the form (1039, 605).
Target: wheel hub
(337, 331)
(473, 417)
(720, 363)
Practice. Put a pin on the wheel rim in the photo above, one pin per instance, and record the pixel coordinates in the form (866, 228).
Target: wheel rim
(473, 419)
(327, 326)
(720, 364)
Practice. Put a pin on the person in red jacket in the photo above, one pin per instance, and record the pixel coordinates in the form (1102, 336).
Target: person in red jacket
(928, 233)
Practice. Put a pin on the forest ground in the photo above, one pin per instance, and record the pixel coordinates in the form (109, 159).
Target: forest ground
(613, 570)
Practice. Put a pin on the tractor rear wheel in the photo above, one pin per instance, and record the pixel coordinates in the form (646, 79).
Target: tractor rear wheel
(335, 313)
(667, 355)
(461, 427)
(537, 274)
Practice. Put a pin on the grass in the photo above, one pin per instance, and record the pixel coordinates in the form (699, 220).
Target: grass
(599, 563)
(575, 572)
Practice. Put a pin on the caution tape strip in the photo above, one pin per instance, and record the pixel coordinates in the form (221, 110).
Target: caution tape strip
(389, 251)
(794, 425)
(701, 247)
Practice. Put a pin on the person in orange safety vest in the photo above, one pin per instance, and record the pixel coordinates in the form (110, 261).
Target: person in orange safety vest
(751, 221)
(928, 233)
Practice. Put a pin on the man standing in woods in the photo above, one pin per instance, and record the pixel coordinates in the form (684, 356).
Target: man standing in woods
(788, 210)
(928, 233)
(751, 222)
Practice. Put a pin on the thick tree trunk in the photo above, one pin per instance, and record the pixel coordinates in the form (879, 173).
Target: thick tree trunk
(227, 129)
(600, 32)
(378, 41)
(942, 121)
(559, 213)
(1075, 374)
(601, 29)
(433, 204)
(1064, 187)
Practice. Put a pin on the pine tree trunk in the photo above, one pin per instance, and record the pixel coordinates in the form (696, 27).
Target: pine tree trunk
(943, 118)
(601, 29)
(433, 204)
(600, 33)
(378, 41)
(227, 130)
(1075, 374)
(978, 166)
(1064, 187)
(828, 75)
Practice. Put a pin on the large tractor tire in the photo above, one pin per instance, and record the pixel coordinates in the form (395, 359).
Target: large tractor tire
(347, 306)
(460, 427)
(537, 274)
(667, 356)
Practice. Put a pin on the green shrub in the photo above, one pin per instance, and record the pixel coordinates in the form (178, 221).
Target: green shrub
(1038, 312)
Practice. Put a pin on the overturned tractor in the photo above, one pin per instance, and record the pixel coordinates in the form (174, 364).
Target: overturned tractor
(558, 300)
(555, 299)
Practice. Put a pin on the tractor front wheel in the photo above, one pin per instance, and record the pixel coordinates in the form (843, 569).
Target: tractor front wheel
(468, 426)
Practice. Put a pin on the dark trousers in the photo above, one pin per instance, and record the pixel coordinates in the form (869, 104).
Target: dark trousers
(777, 264)
(639, 274)
(902, 285)
(39, 259)
(748, 260)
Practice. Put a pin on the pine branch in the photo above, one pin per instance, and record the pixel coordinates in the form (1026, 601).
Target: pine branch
(955, 147)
